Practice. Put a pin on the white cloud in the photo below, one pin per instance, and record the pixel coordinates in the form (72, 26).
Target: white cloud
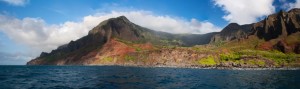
(296, 4)
(39, 36)
(245, 11)
(289, 5)
(16, 2)
(166, 23)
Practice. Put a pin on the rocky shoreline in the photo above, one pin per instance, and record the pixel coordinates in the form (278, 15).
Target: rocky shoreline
(201, 67)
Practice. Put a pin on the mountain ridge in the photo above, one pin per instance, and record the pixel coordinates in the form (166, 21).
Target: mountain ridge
(120, 29)
(117, 41)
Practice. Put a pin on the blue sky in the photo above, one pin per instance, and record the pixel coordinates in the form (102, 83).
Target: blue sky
(57, 11)
(28, 27)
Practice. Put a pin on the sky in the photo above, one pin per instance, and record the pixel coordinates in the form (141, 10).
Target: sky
(29, 27)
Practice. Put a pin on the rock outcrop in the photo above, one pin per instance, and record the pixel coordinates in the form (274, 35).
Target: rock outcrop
(231, 32)
(279, 32)
(117, 41)
(115, 30)
(277, 25)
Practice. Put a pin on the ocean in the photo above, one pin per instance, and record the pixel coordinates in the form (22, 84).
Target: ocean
(116, 77)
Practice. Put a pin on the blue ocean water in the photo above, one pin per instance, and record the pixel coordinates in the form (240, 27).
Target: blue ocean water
(99, 77)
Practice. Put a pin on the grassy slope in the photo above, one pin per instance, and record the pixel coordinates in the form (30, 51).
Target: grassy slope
(247, 52)
(237, 51)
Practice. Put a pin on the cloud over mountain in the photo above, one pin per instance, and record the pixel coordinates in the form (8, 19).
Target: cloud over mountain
(40, 36)
(290, 5)
(245, 11)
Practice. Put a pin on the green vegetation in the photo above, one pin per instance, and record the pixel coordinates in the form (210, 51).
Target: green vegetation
(202, 48)
(125, 41)
(131, 44)
(218, 43)
(53, 58)
(237, 51)
(138, 49)
(261, 63)
(107, 59)
(235, 45)
(207, 61)
(251, 62)
(169, 47)
(276, 56)
(168, 42)
(129, 58)
(229, 56)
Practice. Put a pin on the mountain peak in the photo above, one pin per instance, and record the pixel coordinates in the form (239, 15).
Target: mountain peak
(230, 27)
(295, 10)
(123, 18)
(119, 19)
(233, 24)
(281, 11)
(112, 22)
(116, 19)
(119, 27)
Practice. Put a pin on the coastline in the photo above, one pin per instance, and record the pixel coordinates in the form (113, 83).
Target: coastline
(189, 67)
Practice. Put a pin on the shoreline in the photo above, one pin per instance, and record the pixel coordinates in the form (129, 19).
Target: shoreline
(191, 67)
(218, 68)
(202, 67)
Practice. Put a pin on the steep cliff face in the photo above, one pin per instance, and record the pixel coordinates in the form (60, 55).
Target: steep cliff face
(120, 32)
(119, 27)
(280, 31)
(117, 41)
(277, 25)
(84, 49)
(231, 32)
